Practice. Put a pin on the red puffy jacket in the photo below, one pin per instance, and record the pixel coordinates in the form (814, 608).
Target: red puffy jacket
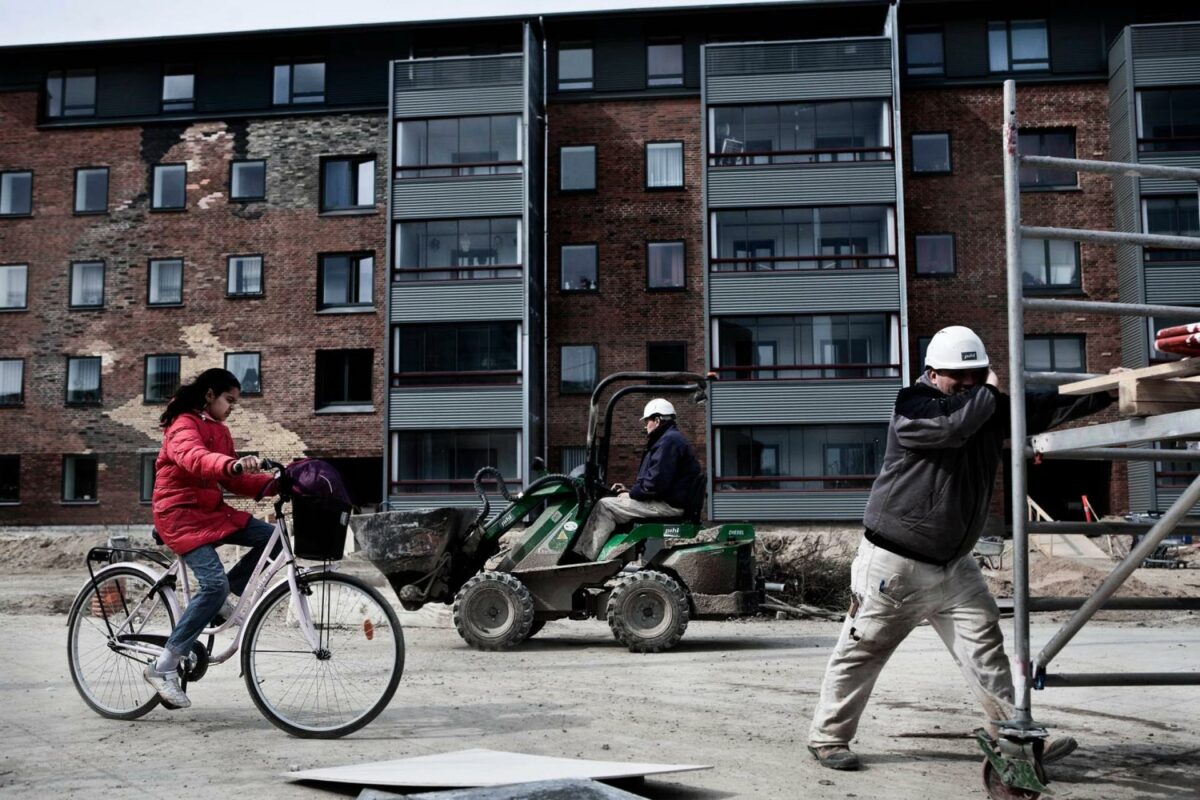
(196, 460)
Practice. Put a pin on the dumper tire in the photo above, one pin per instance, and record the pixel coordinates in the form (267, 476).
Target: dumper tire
(493, 611)
(535, 628)
(648, 611)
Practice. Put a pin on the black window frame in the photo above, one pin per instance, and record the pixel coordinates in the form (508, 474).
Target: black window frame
(234, 198)
(20, 401)
(75, 203)
(154, 171)
(949, 170)
(354, 161)
(1168, 255)
(71, 305)
(453, 272)
(257, 354)
(774, 262)
(1164, 144)
(761, 481)
(25, 296)
(355, 258)
(823, 151)
(953, 255)
(677, 79)
(1056, 337)
(450, 440)
(675, 187)
(595, 287)
(304, 98)
(682, 287)
(146, 493)
(13, 461)
(675, 343)
(930, 68)
(562, 387)
(464, 169)
(345, 404)
(1075, 287)
(595, 187)
(150, 263)
(262, 276)
(146, 399)
(98, 399)
(1011, 63)
(1041, 185)
(575, 44)
(64, 75)
(23, 214)
(426, 377)
(73, 459)
(182, 104)
(811, 364)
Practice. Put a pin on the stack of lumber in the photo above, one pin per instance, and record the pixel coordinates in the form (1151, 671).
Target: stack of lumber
(1160, 389)
(1182, 340)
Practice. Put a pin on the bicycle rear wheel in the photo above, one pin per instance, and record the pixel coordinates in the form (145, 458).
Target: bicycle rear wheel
(347, 681)
(107, 674)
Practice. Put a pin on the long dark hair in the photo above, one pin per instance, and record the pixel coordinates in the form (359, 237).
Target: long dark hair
(191, 396)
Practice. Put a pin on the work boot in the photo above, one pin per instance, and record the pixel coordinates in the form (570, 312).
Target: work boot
(167, 686)
(1058, 749)
(834, 756)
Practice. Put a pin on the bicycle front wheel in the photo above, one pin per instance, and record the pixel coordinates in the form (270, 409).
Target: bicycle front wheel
(339, 686)
(110, 620)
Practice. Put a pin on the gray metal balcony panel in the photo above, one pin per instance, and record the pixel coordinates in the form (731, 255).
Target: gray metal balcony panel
(1163, 186)
(1165, 55)
(1165, 498)
(1174, 284)
(794, 87)
(454, 72)
(802, 184)
(830, 55)
(467, 408)
(414, 502)
(802, 402)
(1166, 71)
(804, 292)
(1141, 486)
(453, 302)
(458, 102)
(484, 196)
(733, 506)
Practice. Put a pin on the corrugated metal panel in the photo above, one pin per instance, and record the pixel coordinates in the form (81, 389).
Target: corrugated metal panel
(805, 184)
(444, 73)
(1162, 185)
(838, 55)
(815, 291)
(452, 302)
(1116, 55)
(1166, 497)
(447, 102)
(799, 86)
(485, 196)
(729, 506)
(425, 409)
(1166, 71)
(414, 502)
(1174, 284)
(1150, 41)
(802, 402)
(1135, 344)
(1141, 486)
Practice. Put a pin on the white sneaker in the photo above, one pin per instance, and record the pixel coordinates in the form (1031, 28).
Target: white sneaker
(167, 686)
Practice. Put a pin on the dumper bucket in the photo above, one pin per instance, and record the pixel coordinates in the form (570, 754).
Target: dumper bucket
(407, 546)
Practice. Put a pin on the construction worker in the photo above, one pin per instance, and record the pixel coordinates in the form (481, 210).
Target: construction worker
(668, 470)
(926, 510)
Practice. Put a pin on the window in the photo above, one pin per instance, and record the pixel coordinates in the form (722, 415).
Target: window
(247, 368)
(807, 347)
(1059, 143)
(147, 470)
(935, 254)
(12, 382)
(770, 239)
(87, 284)
(179, 89)
(923, 52)
(248, 180)
(800, 133)
(245, 276)
(922, 349)
(71, 93)
(666, 356)
(1048, 264)
(799, 457)
(13, 282)
(16, 194)
(162, 378)
(458, 249)
(1054, 354)
(579, 268)
(344, 379)
(347, 280)
(165, 282)
(297, 84)
(578, 368)
(665, 265)
(1174, 216)
(1168, 119)
(574, 66)
(572, 458)
(10, 479)
(577, 168)
(79, 479)
(83, 381)
(348, 183)
(170, 187)
(91, 190)
(1178, 474)
(664, 165)
(931, 153)
(664, 62)
(458, 147)
(1018, 46)
(470, 354)
(446, 461)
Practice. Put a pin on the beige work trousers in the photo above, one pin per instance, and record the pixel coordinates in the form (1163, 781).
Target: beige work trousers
(894, 594)
(613, 511)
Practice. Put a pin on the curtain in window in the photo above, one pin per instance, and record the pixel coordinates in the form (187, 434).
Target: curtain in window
(163, 377)
(666, 264)
(166, 281)
(10, 382)
(87, 288)
(83, 380)
(12, 287)
(245, 276)
(664, 165)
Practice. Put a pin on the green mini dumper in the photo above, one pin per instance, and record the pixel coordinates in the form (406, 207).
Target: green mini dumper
(648, 580)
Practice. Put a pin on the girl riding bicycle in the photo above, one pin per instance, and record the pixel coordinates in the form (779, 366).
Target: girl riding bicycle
(197, 459)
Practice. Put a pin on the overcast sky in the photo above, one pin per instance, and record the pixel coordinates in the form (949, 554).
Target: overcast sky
(47, 21)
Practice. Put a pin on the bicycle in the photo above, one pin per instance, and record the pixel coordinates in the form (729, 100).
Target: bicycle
(322, 652)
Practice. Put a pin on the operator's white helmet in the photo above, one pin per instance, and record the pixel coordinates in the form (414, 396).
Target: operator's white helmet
(956, 347)
(658, 406)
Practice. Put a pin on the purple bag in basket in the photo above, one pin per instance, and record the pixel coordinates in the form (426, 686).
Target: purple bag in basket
(318, 479)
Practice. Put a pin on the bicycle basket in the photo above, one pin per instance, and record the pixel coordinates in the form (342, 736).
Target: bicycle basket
(319, 528)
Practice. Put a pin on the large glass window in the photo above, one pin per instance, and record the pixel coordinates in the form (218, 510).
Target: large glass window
(179, 89)
(16, 193)
(14, 280)
(664, 165)
(165, 282)
(248, 180)
(10, 479)
(71, 93)
(244, 276)
(931, 153)
(1183, 468)
(162, 378)
(79, 479)
(935, 253)
(835, 237)
(1168, 119)
(1018, 46)
(574, 66)
(146, 474)
(348, 183)
(665, 265)
(923, 52)
(458, 354)
(664, 62)
(799, 457)
(579, 268)
(343, 378)
(347, 280)
(170, 187)
(301, 83)
(1172, 216)
(91, 190)
(1055, 354)
(446, 461)
(83, 381)
(578, 368)
(247, 367)
(12, 382)
(1049, 264)
(1059, 143)
(87, 284)
(800, 133)
(458, 249)
(577, 168)
(808, 347)
(458, 146)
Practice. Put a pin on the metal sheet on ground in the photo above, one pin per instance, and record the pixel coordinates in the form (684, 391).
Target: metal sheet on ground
(538, 790)
(482, 767)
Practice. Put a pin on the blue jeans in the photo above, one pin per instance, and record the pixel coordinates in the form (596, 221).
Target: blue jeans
(213, 585)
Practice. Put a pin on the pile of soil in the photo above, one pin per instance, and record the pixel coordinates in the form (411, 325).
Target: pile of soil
(1064, 577)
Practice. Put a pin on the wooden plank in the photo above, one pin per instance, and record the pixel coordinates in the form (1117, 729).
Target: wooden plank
(1146, 397)
(1174, 369)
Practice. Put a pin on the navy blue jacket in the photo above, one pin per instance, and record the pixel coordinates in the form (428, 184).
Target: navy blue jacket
(668, 468)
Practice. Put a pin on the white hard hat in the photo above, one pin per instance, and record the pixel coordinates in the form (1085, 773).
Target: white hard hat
(956, 347)
(658, 406)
